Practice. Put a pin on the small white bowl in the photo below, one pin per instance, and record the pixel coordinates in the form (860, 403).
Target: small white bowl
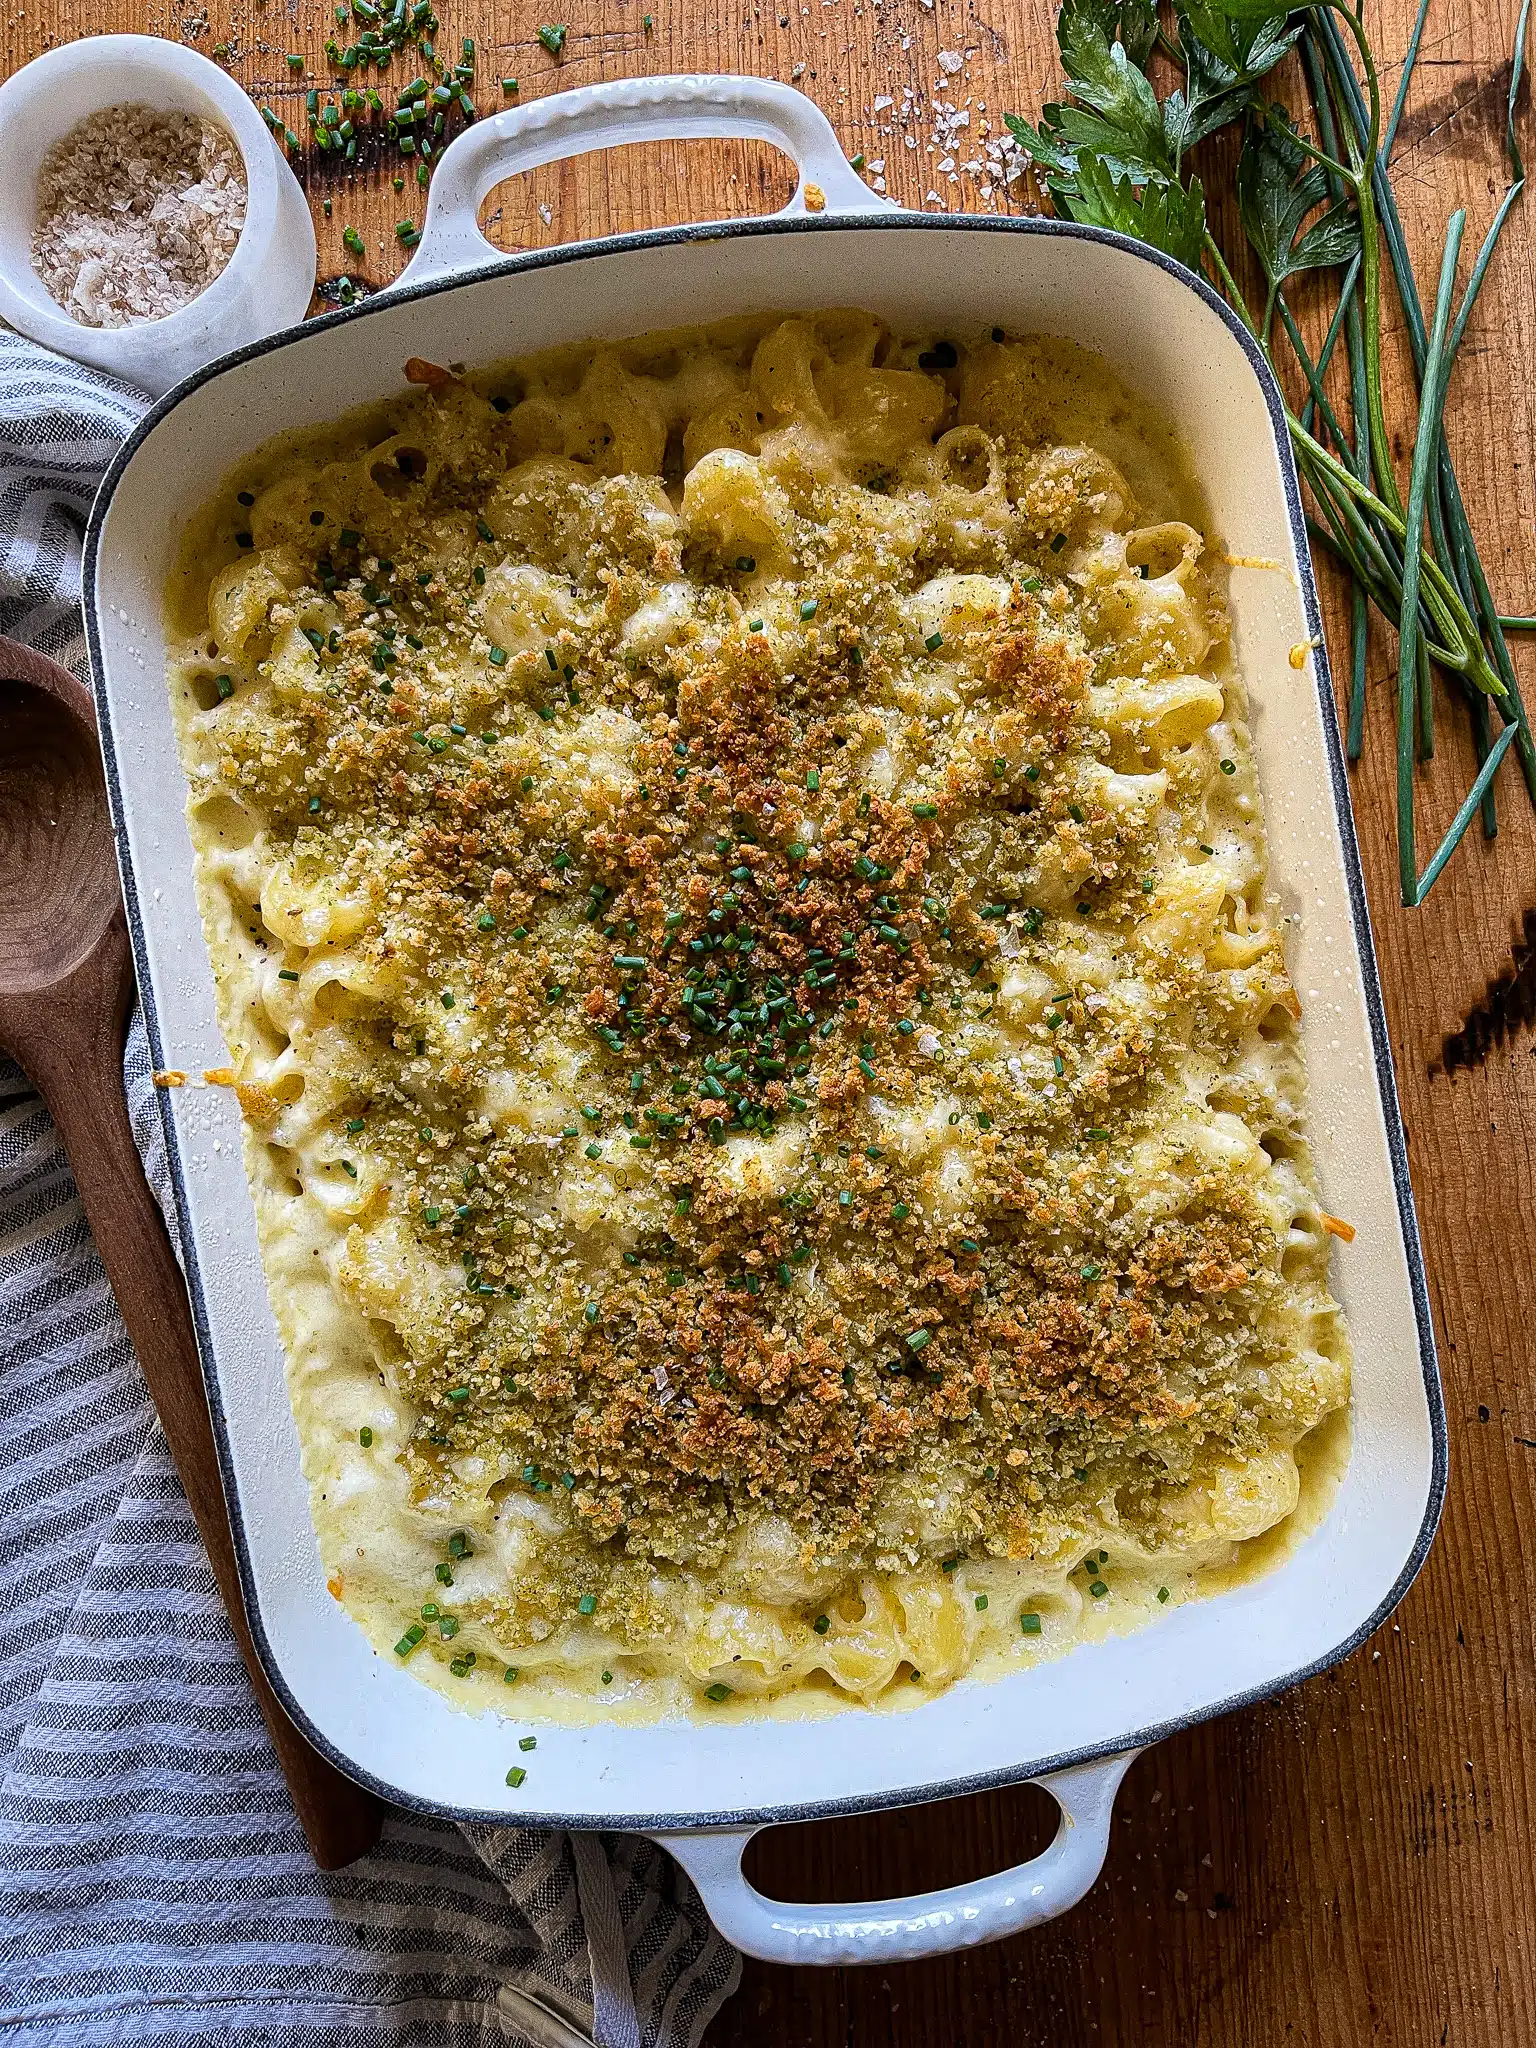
(266, 283)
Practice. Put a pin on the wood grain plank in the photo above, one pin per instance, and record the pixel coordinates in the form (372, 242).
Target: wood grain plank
(1353, 1862)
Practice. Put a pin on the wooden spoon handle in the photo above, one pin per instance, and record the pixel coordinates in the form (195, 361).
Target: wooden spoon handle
(76, 1066)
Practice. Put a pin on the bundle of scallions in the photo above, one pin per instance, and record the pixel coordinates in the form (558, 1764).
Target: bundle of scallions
(1115, 154)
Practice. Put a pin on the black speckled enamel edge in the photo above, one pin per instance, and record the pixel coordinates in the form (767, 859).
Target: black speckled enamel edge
(939, 1788)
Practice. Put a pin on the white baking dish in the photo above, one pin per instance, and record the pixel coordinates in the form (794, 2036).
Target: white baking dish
(1072, 1724)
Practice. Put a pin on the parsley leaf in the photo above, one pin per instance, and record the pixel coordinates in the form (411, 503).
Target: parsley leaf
(1277, 187)
(1117, 116)
(1170, 217)
(1219, 81)
(1248, 40)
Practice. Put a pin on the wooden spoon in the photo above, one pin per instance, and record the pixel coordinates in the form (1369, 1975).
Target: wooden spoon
(66, 981)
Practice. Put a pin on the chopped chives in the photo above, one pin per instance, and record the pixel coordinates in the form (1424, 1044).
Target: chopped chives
(1030, 1624)
(517, 1774)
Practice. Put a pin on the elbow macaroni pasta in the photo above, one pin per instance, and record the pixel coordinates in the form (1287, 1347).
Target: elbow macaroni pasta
(736, 883)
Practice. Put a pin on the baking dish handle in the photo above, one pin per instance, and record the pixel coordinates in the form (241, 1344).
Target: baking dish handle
(930, 1923)
(628, 110)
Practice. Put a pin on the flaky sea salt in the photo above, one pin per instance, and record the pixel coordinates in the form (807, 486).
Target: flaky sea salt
(138, 211)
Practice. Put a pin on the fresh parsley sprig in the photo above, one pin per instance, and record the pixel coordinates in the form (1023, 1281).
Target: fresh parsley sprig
(1114, 154)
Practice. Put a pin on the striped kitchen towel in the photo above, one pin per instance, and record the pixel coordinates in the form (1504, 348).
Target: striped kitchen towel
(154, 1885)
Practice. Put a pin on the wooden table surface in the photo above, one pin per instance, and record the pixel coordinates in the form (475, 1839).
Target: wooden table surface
(1353, 1862)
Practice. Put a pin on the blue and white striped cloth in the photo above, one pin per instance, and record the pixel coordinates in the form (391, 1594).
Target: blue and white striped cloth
(154, 1886)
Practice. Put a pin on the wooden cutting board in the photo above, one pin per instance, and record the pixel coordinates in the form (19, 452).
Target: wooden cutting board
(1353, 1863)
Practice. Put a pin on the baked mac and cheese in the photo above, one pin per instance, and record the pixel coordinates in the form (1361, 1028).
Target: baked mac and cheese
(736, 881)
